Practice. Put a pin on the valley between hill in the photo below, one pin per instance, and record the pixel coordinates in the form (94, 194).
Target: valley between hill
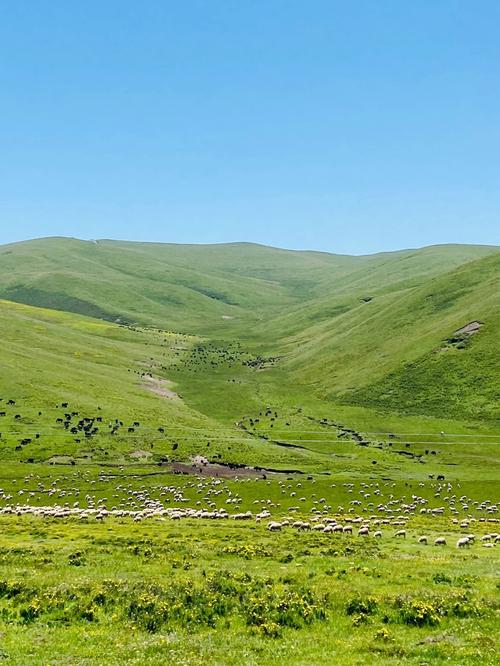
(145, 384)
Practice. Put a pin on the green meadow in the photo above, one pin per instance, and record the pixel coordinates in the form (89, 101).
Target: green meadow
(303, 386)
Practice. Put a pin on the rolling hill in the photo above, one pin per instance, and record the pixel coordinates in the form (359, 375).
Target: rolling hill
(397, 349)
(192, 287)
(116, 329)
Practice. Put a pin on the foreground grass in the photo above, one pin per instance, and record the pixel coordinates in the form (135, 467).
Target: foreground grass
(224, 593)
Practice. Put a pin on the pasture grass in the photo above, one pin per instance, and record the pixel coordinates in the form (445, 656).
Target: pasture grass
(338, 371)
(225, 593)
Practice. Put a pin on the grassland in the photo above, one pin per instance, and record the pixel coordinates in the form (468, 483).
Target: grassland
(125, 367)
(193, 594)
(189, 288)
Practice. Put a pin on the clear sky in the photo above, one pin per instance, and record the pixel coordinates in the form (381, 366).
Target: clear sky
(341, 126)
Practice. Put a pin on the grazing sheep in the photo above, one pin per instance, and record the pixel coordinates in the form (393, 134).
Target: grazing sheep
(463, 542)
(363, 531)
(274, 527)
(423, 539)
(401, 533)
(377, 534)
(440, 541)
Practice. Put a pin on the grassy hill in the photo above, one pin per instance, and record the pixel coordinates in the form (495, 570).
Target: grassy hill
(367, 342)
(394, 350)
(138, 381)
(192, 288)
(58, 369)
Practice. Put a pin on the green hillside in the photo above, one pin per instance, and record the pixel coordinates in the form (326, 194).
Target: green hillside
(447, 372)
(396, 345)
(202, 288)
(146, 390)
(237, 330)
(58, 368)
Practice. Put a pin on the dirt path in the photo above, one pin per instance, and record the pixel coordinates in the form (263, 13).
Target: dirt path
(160, 387)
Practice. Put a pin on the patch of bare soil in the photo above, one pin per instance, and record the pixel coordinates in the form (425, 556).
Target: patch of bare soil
(213, 469)
(469, 329)
(140, 454)
(59, 460)
(202, 467)
(160, 387)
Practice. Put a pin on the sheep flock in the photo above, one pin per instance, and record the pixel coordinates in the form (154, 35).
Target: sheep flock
(374, 512)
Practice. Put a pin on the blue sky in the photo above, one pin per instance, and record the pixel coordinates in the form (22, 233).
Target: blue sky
(341, 126)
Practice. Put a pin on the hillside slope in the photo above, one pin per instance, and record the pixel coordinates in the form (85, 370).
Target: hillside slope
(77, 390)
(364, 331)
(400, 350)
(203, 288)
